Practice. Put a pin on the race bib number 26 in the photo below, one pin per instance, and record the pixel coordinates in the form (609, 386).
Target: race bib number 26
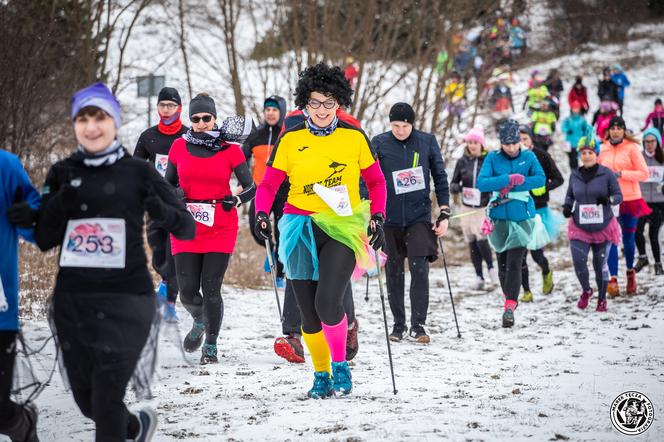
(408, 180)
(94, 242)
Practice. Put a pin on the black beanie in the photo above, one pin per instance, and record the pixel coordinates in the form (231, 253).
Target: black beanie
(202, 103)
(617, 121)
(169, 94)
(402, 112)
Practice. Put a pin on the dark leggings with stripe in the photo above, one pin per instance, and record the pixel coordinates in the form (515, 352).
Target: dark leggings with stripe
(655, 220)
(580, 251)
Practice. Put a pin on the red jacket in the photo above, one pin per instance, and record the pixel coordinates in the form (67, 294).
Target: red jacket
(580, 96)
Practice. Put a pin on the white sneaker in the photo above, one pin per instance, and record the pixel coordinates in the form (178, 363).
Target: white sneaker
(479, 283)
(493, 277)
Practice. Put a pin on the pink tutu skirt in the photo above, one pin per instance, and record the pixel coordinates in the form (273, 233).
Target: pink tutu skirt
(636, 208)
(609, 233)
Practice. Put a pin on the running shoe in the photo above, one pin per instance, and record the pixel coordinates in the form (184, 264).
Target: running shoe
(147, 420)
(658, 269)
(194, 338)
(420, 335)
(613, 289)
(341, 378)
(527, 296)
(547, 282)
(290, 348)
(583, 299)
(631, 282)
(322, 387)
(209, 354)
(398, 333)
(601, 305)
(352, 344)
(641, 263)
(508, 318)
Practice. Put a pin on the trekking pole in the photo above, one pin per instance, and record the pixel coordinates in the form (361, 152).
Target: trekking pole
(449, 287)
(273, 273)
(366, 296)
(387, 336)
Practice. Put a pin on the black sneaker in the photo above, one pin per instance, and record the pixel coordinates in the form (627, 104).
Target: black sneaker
(209, 354)
(658, 269)
(23, 427)
(508, 318)
(194, 338)
(147, 419)
(641, 263)
(398, 333)
(352, 344)
(420, 335)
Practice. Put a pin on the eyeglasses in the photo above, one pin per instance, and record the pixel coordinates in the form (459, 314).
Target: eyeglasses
(206, 119)
(327, 104)
(169, 106)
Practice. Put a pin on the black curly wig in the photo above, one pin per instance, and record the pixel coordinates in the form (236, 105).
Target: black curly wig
(327, 80)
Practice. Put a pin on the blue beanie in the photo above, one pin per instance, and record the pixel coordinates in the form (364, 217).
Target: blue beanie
(509, 132)
(97, 95)
(655, 133)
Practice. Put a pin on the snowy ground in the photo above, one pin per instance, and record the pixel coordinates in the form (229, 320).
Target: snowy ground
(551, 377)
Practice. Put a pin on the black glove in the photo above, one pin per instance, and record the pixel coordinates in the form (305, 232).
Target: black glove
(376, 231)
(455, 188)
(229, 202)
(154, 207)
(567, 211)
(20, 213)
(602, 200)
(262, 226)
(444, 214)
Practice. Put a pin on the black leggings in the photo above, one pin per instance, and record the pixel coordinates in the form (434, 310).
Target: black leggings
(203, 272)
(8, 408)
(480, 250)
(509, 271)
(540, 259)
(101, 336)
(655, 220)
(292, 323)
(322, 300)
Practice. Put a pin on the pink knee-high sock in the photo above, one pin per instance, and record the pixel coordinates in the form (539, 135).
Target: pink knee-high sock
(336, 339)
(510, 305)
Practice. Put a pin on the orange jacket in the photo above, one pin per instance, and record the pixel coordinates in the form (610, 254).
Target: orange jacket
(625, 158)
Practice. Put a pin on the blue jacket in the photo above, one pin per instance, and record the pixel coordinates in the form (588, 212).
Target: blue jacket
(494, 176)
(620, 79)
(574, 127)
(420, 149)
(517, 37)
(12, 176)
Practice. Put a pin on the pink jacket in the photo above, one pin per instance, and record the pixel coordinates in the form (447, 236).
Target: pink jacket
(627, 159)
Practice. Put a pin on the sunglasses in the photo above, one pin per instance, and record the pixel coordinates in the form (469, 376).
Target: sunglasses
(205, 119)
(327, 104)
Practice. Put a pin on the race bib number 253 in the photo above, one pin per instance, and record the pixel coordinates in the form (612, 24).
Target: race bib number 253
(94, 242)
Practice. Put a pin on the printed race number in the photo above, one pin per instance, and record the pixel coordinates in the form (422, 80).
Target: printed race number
(161, 163)
(94, 242)
(591, 214)
(408, 180)
(471, 196)
(202, 213)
